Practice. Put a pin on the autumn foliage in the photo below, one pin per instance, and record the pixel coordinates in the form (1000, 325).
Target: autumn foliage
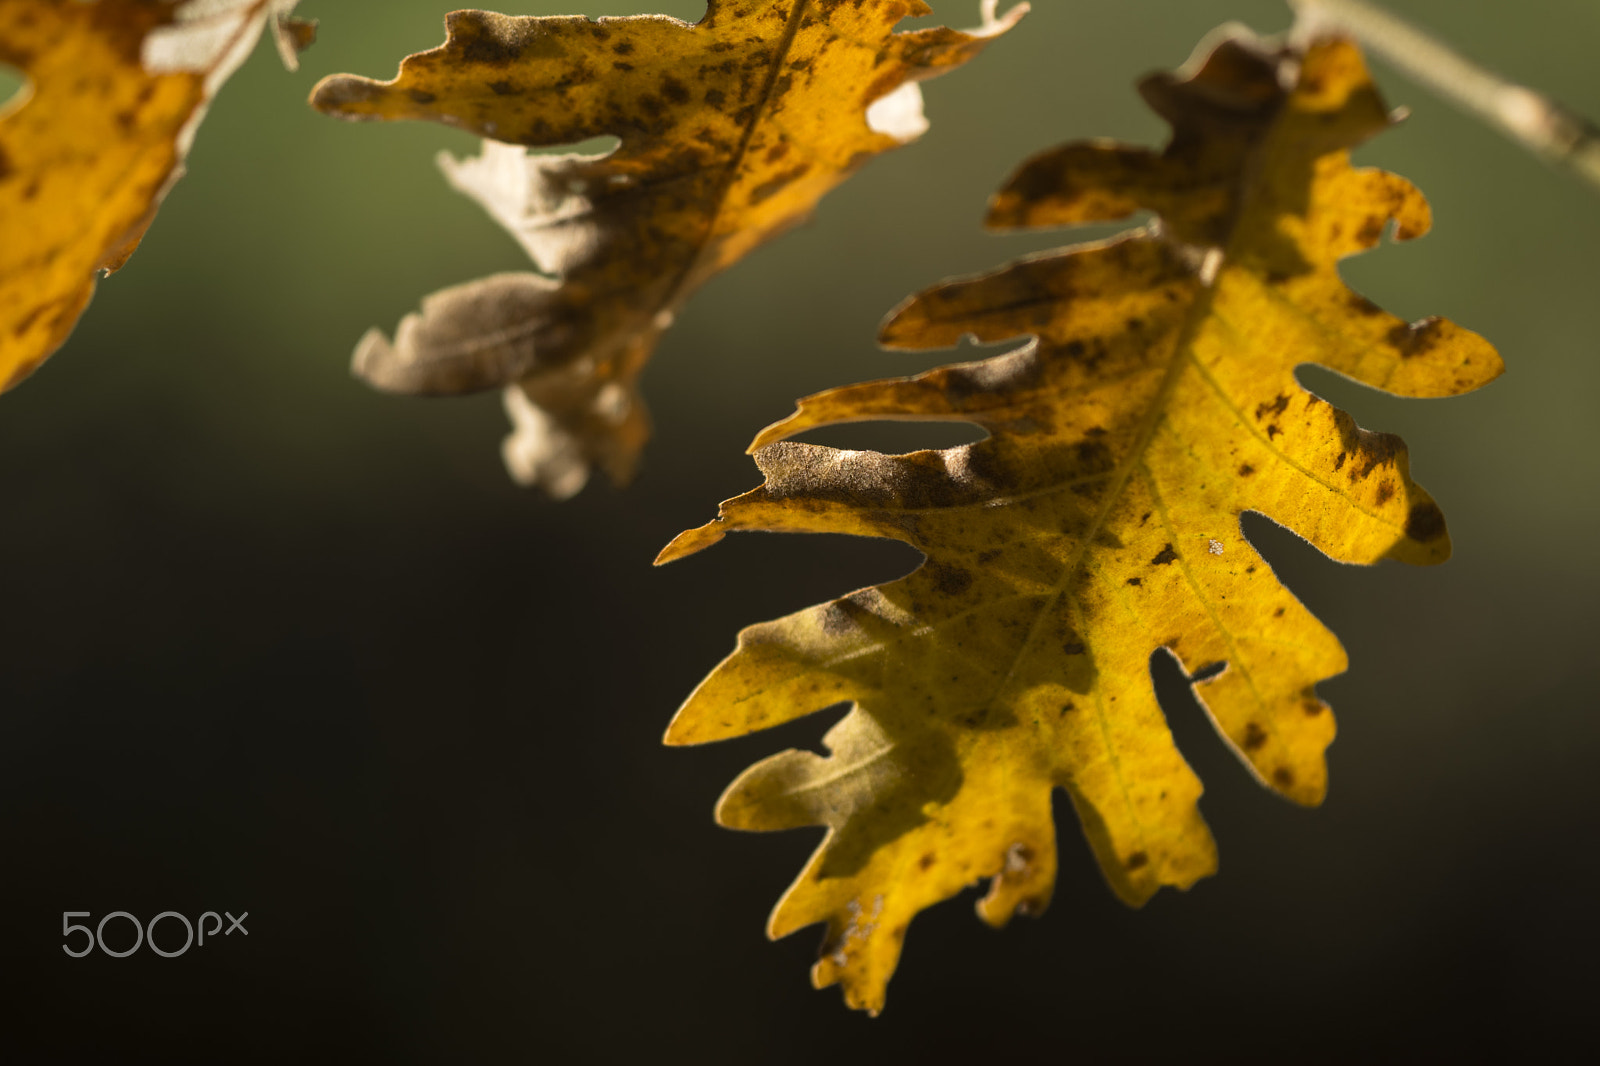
(118, 88)
(1097, 523)
(1149, 402)
(730, 132)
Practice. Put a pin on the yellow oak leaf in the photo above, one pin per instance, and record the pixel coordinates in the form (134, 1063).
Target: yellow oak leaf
(1097, 523)
(730, 131)
(115, 92)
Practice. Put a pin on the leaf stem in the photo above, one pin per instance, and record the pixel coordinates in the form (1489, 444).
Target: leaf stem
(1540, 124)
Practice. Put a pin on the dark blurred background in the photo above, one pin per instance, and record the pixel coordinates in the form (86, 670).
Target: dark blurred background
(275, 643)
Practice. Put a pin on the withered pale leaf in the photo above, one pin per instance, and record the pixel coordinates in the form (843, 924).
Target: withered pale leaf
(1099, 521)
(116, 91)
(730, 131)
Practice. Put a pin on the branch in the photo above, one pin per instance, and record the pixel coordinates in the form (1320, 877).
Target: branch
(1545, 127)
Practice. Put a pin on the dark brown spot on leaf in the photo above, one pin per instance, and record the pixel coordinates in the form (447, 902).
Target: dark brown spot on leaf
(1254, 737)
(674, 90)
(1093, 455)
(1276, 407)
(1425, 522)
(1417, 338)
(950, 580)
(477, 46)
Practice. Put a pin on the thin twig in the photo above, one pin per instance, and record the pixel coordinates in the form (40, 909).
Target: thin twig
(1545, 127)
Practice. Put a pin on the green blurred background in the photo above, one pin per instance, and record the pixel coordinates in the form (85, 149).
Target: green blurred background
(276, 643)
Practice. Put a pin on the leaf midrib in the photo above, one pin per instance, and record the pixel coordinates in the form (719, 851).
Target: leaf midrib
(680, 285)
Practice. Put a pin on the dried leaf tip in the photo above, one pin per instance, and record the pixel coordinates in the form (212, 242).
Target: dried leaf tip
(293, 36)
